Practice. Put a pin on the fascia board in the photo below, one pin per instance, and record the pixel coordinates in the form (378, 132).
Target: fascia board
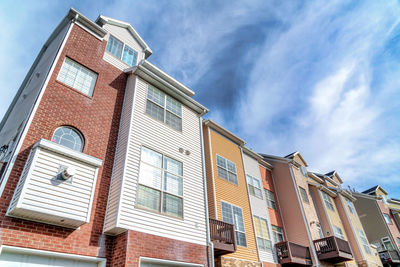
(256, 156)
(211, 124)
(315, 177)
(73, 13)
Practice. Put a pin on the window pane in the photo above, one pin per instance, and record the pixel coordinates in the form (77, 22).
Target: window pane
(304, 195)
(237, 212)
(231, 166)
(173, 166)
(155, 111)
(114, 46)
(222, 173)
(258, 193)
(129, 56)
(221, 161)
(173, 121)
(241, 239)
(150, 176)
(68, 137)
(156, 96)
(232, 178)
(227, 215)
(77, 76)
(148, 198)
(151, 157)
(173, 184)
(174, 106)
(173, 205)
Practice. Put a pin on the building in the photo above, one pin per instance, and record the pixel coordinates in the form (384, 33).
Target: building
(380, 218)
(320, 228)
(101, 157)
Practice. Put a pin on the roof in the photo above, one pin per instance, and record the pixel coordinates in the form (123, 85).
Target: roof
(373, 190)
(224, 132)
(101, 20)
(292, 155)
(334, 173)
(257, 156)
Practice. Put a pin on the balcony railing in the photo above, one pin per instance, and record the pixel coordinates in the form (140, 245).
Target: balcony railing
(389, 256)
(333, 249)
(223, 237)
(293, 254)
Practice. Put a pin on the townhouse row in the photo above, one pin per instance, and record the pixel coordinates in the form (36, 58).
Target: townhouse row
(105, 160)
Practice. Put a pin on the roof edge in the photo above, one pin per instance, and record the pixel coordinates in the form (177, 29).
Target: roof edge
(224, 132)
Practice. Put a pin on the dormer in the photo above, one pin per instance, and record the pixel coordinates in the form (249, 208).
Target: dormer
(299, 162)
(376, 191)
(333, 178)
(125, 48)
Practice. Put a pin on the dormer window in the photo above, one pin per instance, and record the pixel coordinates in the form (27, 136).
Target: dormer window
(121, 51)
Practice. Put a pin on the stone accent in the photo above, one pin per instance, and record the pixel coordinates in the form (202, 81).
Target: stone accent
(233, 262)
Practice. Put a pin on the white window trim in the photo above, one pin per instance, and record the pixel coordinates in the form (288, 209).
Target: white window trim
(162, 191)
(338, 231)
(351, 207)
(328, 200)
(164, 109)
(10, 249)
(387, 218)
(244, 226)
(216, 163)
(259, 182)
(122, 51)
(270, 200)
(383, 242)
(268, 231)
(168, 262)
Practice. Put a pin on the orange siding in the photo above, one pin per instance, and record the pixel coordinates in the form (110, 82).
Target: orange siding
(209, 177)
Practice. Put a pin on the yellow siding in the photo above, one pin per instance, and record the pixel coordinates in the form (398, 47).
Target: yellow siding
(333, 216)
(233, 194)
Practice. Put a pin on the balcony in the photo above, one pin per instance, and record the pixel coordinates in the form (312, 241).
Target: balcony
(333, 249)
(389, 256)
(293, 254)
(223, 237)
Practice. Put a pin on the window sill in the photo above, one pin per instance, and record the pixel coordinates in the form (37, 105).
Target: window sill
(126, 64)
(163, 123)
(159, 213)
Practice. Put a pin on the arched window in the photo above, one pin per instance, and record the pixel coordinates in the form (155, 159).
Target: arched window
(69, 137)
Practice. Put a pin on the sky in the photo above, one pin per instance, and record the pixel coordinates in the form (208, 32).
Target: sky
(318, 77)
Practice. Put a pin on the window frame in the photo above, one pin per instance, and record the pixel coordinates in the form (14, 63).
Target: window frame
(328, 201)
(264, 240)
(80, 135)
(338, 232)
(253, 187)
(74, 62)
(303, 171)
(304, 195)
(164, 107)
(271, 203)
(162, 191)
(386, 238)
(226, 168)
(350, 206)
(387, 218)
(364, 241)
(122, 51)
(275, 233)
(234, 221)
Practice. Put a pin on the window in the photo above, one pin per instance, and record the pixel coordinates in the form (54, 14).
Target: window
(328, 201)
(77, 76)
(226, 170)
(338, 232)
(262, 233)
(270, 199)
(160, 183)
(121, 51)
(398, 241)
(164, 108)
(387, 243)
(387, 218)
(350, 206)
(233, 215)
(304, 195)
(68, 137)
(254, 186)
(277, 234)
(364, 241)
(303, 171)
(320, 232)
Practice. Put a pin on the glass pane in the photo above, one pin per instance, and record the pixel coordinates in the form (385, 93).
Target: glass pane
(68, 137)
(114, 46)
(221, 161)
(260, 243)
(256, 183)
(264, 227)
(172, 205)
(237, 212)
(251, 190)
(173, 166)
(129, 56)
(156, 95)
(257, 226)
(232, 178)
(151, 157)
(241, 239)
(155, 111)
(150, 176)
(222, 173)
(227, 215)
(231, 166)
(174, 106)
(148, 198)
(258, 193)
(173, 184)
(173, 121)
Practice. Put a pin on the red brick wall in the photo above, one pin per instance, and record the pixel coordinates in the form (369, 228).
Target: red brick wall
(133, 245)
(97, 118)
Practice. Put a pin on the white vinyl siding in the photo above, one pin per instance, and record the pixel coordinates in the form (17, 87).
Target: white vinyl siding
(139, 130)
(233, 215)
(77, 76)
(164, 108)
(254, 186)
(226, 170)
(364, 241)
(328, 201)
(262, 234)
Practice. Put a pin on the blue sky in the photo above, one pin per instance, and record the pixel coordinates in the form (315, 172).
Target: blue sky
(320, 77)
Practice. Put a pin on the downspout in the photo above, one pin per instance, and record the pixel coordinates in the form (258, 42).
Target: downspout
(209, 243)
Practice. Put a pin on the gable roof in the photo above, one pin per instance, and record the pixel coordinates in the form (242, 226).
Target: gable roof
(101, 20)
(374, 189)
(332, 174)
(297, 153)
